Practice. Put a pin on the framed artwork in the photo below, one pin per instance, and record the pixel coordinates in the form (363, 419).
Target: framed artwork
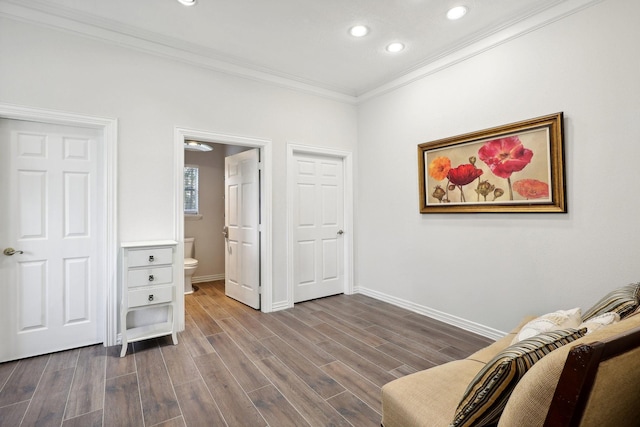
(517, 167)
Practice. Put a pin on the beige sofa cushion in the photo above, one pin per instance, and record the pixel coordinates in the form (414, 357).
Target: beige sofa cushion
(427, 398)
(530, 400)
(488, 393)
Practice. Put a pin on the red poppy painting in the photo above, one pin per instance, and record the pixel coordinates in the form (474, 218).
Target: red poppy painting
(512, 168)
(505, 156)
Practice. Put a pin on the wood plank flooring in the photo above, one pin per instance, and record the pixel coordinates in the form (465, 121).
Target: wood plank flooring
(321, 363)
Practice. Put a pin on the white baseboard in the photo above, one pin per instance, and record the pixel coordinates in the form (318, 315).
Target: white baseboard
(209, 278)
(280, 305)
(449, 319)
(435, 314)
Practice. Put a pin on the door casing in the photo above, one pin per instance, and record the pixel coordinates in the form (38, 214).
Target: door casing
(180, 135)
(347, 158)
(107, 199)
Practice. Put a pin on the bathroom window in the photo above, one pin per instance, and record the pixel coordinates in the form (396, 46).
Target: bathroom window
(190, 190)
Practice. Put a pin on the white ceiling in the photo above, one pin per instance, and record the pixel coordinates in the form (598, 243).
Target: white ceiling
(305, 42)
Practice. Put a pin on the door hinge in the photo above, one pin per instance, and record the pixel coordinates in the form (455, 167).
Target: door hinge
(259, 289)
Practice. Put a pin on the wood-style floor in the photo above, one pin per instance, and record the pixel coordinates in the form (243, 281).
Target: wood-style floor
(321, 363)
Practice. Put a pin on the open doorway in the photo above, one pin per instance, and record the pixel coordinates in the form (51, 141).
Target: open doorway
(222, 219)
(223, 146)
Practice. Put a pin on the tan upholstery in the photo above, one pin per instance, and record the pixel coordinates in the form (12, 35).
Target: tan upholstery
(609, 403)
(410, 400)
(530, 400)
(429, 398)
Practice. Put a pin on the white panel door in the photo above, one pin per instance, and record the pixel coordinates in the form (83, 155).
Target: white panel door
(242, 227)
(49, 284)
(318, 226)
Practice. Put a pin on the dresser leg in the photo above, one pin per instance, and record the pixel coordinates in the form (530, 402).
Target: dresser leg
(124, 349)
(174, 338)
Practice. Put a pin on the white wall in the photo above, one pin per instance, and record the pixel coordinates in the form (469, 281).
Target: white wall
(494, 268)
(489, 269)
(150, 95)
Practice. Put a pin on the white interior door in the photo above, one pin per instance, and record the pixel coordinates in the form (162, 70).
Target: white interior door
(318, 225)
(49, 287)
(242, 227)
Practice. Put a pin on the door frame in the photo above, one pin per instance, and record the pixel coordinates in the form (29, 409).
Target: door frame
(266, 166)
(347, 160)
(107, 160)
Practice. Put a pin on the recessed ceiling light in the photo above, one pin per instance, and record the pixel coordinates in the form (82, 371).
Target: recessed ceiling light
(456, 12)
(188, 2)
(395, 47)
(359, 31)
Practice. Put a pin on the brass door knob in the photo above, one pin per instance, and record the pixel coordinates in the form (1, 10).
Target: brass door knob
(11, 251)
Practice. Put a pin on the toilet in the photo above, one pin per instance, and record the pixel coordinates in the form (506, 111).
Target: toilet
(190, 264)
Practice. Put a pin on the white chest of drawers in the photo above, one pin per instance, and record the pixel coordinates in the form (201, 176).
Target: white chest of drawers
(148, 281)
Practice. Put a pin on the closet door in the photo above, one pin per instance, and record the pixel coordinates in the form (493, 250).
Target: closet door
(50, 235)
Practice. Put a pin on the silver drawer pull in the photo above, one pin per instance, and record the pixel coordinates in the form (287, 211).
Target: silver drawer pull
(151, 258)
(151, 297)
(151, 279)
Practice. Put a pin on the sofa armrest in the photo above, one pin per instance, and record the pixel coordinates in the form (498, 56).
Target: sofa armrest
(599, 384)
(531, 398)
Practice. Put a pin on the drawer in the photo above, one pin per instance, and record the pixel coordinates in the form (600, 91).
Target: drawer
(150, 296)
(147, 257)
(149, 276)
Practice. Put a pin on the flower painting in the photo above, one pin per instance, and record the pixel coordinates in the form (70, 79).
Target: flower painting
(517, 167)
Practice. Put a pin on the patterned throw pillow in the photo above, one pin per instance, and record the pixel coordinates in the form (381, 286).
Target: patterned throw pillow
(622, 301)
(561, 319)
(600, 321)
(486, 396)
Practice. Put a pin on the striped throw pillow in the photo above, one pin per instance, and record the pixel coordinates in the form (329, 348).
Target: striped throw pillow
(622, 301)
(486, 396)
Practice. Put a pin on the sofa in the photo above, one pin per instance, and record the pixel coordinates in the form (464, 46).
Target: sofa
(463, 393)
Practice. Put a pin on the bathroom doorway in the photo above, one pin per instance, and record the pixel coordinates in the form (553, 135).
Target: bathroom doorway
(207, 224)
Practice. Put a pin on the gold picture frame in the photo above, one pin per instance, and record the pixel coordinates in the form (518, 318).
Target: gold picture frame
(517, 167)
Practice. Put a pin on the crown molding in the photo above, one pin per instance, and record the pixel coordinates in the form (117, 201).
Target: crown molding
(61, 18)
(66, 19)
(481, 45)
